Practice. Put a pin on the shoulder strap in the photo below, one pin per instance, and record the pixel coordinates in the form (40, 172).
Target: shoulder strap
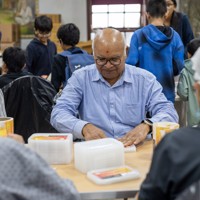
(76, 59)
(73, 51)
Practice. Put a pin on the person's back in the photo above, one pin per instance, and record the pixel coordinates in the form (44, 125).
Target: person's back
(25, 175)
(41, 49)
(63, 65)
(174, 167)
(158, 49)
(185, 85)
(176, 160)
(13, 65)
(33, 101)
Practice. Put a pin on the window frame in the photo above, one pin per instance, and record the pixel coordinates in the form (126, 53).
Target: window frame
(131, 29)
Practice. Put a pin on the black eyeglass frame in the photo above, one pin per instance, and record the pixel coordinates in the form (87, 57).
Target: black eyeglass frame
(103, 61)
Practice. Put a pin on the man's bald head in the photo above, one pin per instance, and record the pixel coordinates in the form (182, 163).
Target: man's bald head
(109, 37)
(110, 53)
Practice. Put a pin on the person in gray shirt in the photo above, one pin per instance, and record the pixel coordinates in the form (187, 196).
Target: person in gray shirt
(25, 175)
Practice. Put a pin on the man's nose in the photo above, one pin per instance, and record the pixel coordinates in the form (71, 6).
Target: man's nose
(108, 64)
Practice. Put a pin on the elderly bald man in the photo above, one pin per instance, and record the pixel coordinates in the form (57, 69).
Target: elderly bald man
(111, 97)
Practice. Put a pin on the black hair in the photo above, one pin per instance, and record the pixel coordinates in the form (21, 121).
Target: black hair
(156, 8)
(14, 58)
(69, 34)
(193, 45)
(43, 24)
(174, 2)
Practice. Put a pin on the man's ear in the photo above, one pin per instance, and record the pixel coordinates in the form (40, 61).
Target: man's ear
(147, 15)
(4, 69)
(35, 31)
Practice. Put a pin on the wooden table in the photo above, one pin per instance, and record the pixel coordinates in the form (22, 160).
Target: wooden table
(139, 160)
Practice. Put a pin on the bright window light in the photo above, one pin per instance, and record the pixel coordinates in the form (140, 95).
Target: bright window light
(116, 20)
(116, 8)
(99, 20)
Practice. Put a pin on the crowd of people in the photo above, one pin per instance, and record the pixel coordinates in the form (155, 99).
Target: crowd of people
(115, 94)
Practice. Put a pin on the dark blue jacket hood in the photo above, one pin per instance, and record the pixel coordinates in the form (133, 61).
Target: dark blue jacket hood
(156, 38)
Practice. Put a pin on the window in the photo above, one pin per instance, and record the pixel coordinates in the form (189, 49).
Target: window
(124, 15)
(118, 16)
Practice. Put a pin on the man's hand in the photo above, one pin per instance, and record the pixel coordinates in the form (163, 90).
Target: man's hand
(136, 135)
(91, 132)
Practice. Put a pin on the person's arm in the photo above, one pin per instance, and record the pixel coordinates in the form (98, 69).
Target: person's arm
(178, 54)
(159, 108)
(182, 87)
(136, 135)
(133, 54)
(91, 132)
(58, 71)
(64, 114)
(187, 33)
(29, 58)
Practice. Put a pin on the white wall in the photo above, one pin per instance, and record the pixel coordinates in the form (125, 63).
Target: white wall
(72, 11)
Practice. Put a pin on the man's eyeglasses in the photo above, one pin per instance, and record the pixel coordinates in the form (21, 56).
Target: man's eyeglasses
(43, 34)
(112, 61)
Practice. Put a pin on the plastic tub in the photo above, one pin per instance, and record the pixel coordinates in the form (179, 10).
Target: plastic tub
(54, 148)
(98, 154)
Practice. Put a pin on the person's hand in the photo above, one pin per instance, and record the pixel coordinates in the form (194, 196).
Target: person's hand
(16, 137)
(91, 132)
(136, 135)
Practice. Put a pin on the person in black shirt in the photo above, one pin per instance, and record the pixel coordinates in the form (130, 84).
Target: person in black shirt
(13, 65)
(41, 49)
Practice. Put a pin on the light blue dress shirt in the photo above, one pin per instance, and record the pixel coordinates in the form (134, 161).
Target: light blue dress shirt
(115, 109)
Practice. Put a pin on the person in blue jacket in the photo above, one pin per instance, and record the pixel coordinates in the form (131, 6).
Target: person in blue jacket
(158, 48)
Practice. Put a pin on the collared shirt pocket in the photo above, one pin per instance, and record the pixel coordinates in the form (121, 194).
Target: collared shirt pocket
(132, 113)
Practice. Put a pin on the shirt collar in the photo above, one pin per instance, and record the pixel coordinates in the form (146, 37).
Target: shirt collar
(126, 77)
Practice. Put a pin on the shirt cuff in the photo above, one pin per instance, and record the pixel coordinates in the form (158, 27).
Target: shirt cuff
(78, 129)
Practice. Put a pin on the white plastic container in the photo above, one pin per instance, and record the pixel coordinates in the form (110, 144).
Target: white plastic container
(55, 148)
(113, 175)
(98, 154)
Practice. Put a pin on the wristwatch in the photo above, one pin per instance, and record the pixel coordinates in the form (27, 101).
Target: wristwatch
(148, 122)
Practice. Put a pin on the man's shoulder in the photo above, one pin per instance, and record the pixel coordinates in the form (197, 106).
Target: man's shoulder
(86, 70)
(138, 32)
(137, 71)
